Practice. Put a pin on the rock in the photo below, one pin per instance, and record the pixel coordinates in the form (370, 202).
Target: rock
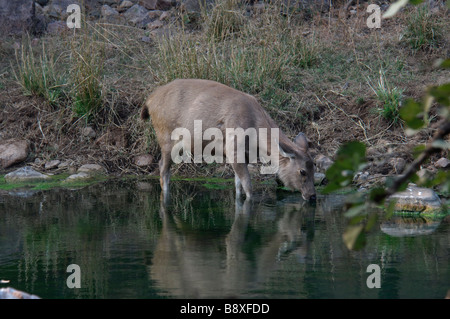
(164, 16)
(398, 164)
(193, 6)
(155, 14)
(91, 169)
(425, 174)
(78, 177)
(399, 226)
(14, 14)
(57, 27)
(110, 2)
(165, 4)
(442, 163)
(52, 164)
(322, 163)
(361, 178)
(136, 14)
(148, 4)
(88, 132)
(25, 174)
(13, 151)
(107, 11)
(143, 160)
(154, 25)
(144, 186)
(124, 5)
(147, 39)
(11, 293)
(63, 165)
(416, 199)
(319, 178)
(42, 2)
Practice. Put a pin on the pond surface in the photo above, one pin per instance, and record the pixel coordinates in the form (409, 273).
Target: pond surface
(205, 245)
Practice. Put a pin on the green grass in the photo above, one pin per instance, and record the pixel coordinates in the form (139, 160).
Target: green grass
(389, 98)
(423, 31)
(38, 74)
(56, 181)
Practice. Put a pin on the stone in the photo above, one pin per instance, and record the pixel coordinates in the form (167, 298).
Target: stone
(63, 165)
(91, 169)
(25, 174)
(144, 186)
(13, 151)
(52, 164)
(147, 40)
(88, 132)
(164, 16)
(425, 174)
(442, 163)
(124, 5)
(361, 178)
(107, 11)
(193, 6)
(11, 293)
(57, 27)
(143, 160)
(322, 163)
(416, 199)
(14, 15)
(155, 14)
(399, 226)
(136, 15)
(42, 2)
(148, 4)
(78, 177)
(165, 4)
(154, 25)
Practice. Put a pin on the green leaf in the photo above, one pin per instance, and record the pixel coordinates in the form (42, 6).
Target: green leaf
(390, 208)
(415, 2)
(350, 158)
(354, 237)
(377, 194)
(410, 113)
(355, 211)
(393, 8)
(441, 144)
(373, 217)
(441, 93)
(445, 63)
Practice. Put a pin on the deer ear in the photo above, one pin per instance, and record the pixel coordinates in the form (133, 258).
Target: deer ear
(283, 153)
(301, 141)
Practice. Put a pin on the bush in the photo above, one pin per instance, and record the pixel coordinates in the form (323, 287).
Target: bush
(389, 98)
(38, 74)
(422, 32)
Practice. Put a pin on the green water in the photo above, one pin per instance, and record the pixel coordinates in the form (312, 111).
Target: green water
(205, 245)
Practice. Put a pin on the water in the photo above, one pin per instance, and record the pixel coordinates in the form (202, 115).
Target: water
(204, 245)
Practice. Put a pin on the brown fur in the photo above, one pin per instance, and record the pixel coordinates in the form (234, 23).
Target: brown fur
(178, 103)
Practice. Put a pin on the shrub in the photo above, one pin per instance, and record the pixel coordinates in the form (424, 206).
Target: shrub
(422, 30)
(38, 73)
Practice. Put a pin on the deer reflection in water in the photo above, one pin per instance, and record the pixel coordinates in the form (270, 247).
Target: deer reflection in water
(190, 264)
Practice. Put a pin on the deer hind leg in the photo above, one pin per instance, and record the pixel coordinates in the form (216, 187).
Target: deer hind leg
(164, 169)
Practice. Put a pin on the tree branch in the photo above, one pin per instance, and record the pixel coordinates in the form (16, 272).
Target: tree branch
(442, 131)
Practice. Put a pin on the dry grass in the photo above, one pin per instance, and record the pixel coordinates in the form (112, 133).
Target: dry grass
(309, 71)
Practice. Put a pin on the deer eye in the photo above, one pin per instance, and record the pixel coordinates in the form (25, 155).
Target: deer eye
(302, 172)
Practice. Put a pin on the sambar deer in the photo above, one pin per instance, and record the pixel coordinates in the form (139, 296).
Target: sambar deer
(182, 102)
